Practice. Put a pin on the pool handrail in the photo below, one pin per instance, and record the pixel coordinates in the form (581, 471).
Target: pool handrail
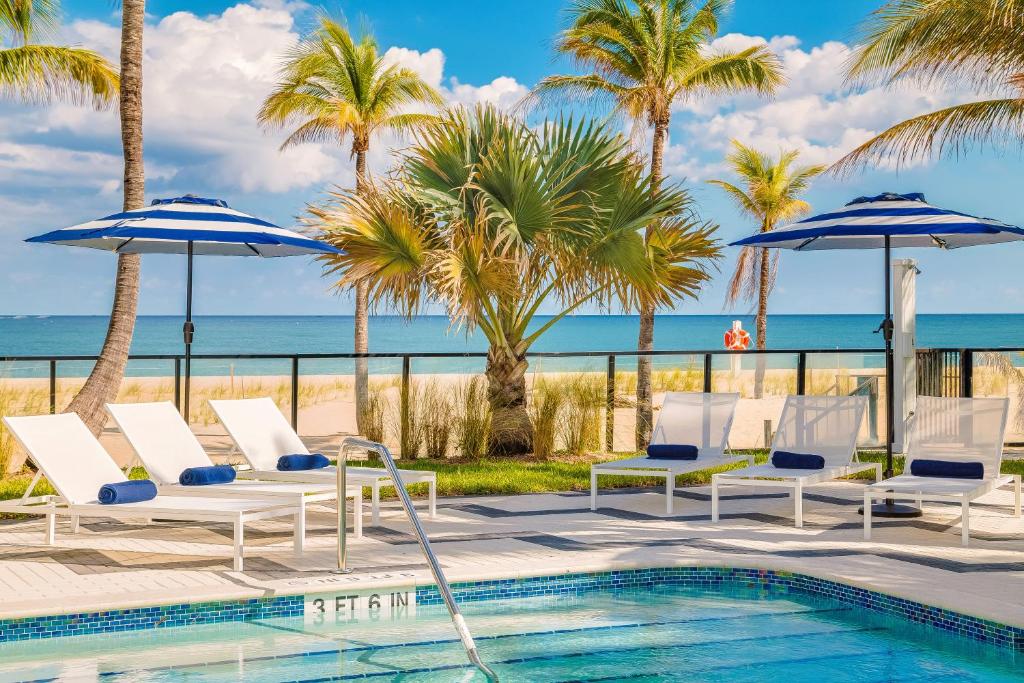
(353, 443)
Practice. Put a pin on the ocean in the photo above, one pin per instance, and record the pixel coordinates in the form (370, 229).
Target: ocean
(83, 335)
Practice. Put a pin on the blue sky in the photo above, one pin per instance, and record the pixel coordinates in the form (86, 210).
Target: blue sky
(209, 62)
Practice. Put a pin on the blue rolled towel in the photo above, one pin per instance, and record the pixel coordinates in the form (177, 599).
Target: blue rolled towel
(786, 460)
(134, 491)
(302, 461)
(949, 469)
(671, 451)
(203, 476)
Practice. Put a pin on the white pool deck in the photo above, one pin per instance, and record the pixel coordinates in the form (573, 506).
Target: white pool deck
(109, 565)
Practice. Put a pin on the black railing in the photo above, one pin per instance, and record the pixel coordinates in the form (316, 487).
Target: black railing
(943, 371)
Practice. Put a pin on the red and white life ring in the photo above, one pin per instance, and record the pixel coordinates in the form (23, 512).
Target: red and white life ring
(737, 338)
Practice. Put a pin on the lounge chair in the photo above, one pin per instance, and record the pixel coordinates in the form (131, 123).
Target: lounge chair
(166, 446)
(262, 435)
(825, 426)
(696, 419)
(71, 459)
(959, 432)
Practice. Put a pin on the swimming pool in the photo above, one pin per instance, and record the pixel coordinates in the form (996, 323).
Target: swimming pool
(650, 633)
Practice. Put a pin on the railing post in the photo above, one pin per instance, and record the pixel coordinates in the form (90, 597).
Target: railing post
(295, 393)
(177, 383)
(403, 407)
(966, 373)
(707, 373)
(53, 386)
(801, 373)
(609, 407)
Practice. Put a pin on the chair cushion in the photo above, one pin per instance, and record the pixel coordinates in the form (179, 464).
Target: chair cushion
(302, 461)
(948, 469)
(786, 460)
(203, 476)
(134, 491)
(671, 451)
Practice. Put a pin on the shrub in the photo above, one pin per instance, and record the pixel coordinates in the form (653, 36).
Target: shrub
(584, 398)
(546, 404)
(474, 418)
(372, 416)
(435, 417)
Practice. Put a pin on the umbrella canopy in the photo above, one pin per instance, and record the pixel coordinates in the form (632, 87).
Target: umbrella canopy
(906, 219)
(192, 226)
(168, 226)
(882, 222)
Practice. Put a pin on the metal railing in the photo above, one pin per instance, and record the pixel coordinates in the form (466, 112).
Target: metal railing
(945, 371)
(350, 443)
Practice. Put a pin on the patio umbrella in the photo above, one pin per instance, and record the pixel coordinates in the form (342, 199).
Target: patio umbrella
(887, 221)
(189, 225)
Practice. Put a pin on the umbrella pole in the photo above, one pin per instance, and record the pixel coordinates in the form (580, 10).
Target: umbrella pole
(187, 331)
(889, 508)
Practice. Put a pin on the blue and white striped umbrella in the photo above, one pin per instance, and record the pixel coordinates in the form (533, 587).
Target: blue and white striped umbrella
(887, 221)
(168, 226)
(190, 225)
(907, 219)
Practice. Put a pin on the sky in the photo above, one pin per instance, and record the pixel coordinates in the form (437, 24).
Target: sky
(209, 64)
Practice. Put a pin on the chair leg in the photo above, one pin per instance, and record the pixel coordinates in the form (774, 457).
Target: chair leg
(965, 522)
(375, 502)
(299, 542)
(51, 529)
(714, 497)
(433, 498)
(357, 513)
(798, 502)
(1016, 495)
(239, 544)
(670, 485)
(868, 502)
(74, 524)
(593, 489)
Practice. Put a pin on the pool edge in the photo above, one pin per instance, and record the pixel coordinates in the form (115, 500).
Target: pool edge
(527, 584)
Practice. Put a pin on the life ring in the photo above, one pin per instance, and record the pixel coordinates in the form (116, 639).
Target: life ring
(737, 339)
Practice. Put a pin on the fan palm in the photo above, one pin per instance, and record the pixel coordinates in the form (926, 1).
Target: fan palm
(770, 195)
(495, 220)
(334, 88)
(972, 42)
(647, 55)
(33, 72)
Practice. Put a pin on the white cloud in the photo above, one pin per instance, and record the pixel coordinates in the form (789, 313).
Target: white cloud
(816, 112)
(204, 80)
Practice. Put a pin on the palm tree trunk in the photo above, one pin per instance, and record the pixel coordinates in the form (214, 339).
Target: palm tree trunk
(511, 430)
(362, 316)
(761, 322)
(105, 379)
(645, 339)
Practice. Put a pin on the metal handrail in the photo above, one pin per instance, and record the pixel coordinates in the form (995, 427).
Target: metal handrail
(352, 443)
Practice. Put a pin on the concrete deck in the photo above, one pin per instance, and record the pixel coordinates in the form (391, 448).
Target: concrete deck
(112, 565)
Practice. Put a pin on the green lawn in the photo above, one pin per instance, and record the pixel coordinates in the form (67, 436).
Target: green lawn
(510, 476)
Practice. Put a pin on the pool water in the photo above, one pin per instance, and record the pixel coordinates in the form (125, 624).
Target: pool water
(662, 634)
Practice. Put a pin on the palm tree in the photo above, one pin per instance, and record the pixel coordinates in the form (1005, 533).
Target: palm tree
(495, 219)
(770, 195)
(334, 88)
(976, 42)
(647, 55)
(81, 75)
(33, 72)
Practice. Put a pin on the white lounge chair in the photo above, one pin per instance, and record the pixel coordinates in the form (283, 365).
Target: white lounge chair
(813, 425)
(166, 446)
(690, 418)
(71, 459)
(960, 430)
(262, 435)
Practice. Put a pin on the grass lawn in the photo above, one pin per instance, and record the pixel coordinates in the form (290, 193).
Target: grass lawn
(510, 476)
